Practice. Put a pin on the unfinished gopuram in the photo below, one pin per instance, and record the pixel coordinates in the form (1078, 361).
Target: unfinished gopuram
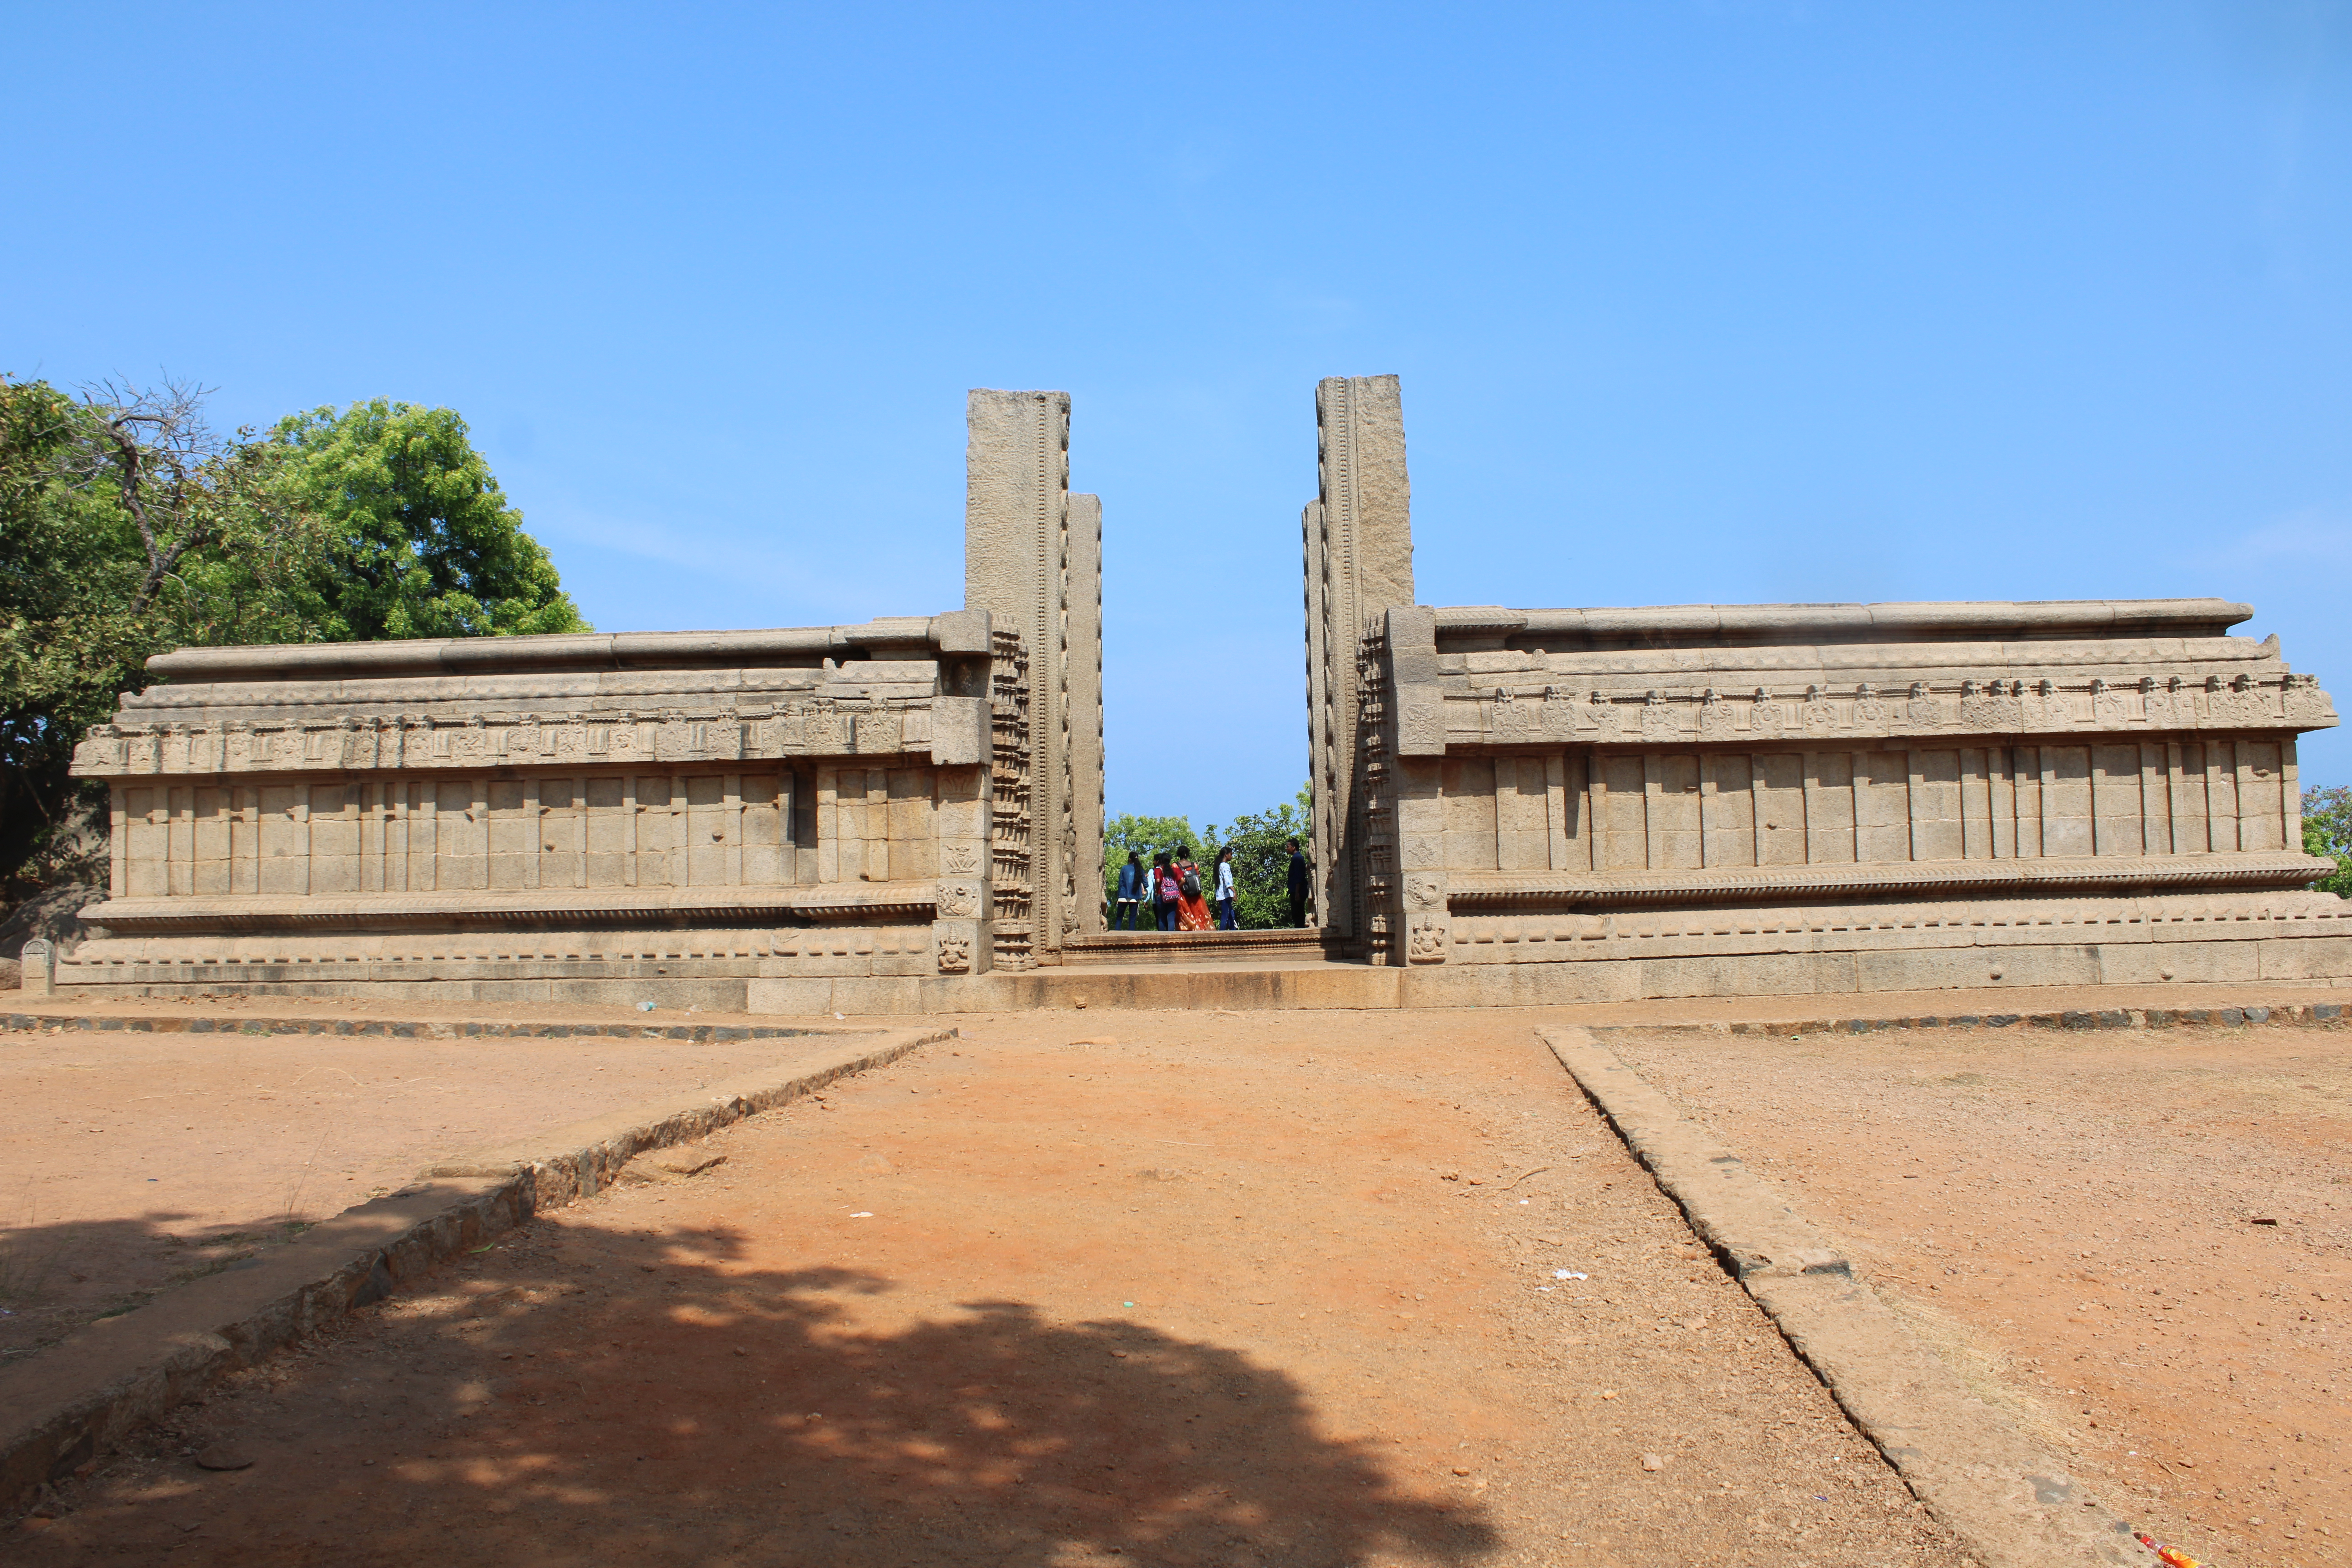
(1512, 806)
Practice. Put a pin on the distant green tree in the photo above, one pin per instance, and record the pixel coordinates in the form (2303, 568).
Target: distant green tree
(420, 540)
(2327, 830)
(1147, 836)
(1262, 861)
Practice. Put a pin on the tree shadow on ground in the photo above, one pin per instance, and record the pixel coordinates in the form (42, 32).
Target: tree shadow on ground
(58, 1277)
(591, 1395)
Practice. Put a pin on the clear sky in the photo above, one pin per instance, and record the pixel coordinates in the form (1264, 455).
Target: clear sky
(1691, 301)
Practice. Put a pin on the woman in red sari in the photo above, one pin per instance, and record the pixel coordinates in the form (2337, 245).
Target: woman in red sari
(1191, 906)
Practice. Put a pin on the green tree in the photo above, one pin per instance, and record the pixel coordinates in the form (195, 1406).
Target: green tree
(2327, 830)
(127, 527)
(1262, 860)
(1147, 836)
(420, 540)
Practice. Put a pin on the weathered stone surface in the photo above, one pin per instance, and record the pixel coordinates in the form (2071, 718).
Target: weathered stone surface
(1087, 804)
(325, 819)
(1358, 565)
(1032, 558)
(1510, 767)
(37, 966)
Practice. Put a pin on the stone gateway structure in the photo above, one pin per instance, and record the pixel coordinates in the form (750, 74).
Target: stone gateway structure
(1510, 805)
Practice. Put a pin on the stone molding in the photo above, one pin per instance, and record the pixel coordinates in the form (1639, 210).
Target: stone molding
(1905, 620)
(957, 632)
(619, 738)
(820, 904)
(1477, 890)
(2002, 706)
(2155, 925)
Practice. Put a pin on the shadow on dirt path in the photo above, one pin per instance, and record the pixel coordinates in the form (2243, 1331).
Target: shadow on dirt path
(554, 1409)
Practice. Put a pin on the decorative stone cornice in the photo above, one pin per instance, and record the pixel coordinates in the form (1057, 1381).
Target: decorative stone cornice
(1998, 706)
(825, 904)
(817, 727)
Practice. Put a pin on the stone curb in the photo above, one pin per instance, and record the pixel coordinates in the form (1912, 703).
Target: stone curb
(75, 1402)
(150, 1024)
(2072, 1019)
(2010, 1501)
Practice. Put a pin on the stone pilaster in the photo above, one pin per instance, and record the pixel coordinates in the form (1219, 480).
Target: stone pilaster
(1358, 565)
(1017, 566)
(1085, 721)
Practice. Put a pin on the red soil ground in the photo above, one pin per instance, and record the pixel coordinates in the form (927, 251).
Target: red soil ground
(1282, 1288)
(2072, 1217)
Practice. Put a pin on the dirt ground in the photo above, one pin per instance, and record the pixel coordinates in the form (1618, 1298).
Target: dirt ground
(135, 1160)
(1136, 1288)
(2074, 1217)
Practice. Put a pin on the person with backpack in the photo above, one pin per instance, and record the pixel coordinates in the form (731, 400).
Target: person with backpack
(1225, 920)
(1128, 902)
(1166, 891)
(1191, 907)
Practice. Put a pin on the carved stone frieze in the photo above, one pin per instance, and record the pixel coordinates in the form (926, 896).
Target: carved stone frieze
(1998, 705)
(440, 738)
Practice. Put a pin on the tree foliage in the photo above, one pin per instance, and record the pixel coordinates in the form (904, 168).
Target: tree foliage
(2327, 830)
(1261, 861)
(129, 527)
(420, 541)
(1147, 836)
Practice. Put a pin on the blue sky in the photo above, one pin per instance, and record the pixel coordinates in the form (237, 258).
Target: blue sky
(1691, 301)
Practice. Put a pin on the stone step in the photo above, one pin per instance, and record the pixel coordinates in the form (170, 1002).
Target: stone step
(1126, 948)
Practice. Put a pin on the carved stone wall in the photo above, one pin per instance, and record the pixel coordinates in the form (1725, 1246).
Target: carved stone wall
(674, 816)
(1709, 800)
(1011, 852)
(1978, 762)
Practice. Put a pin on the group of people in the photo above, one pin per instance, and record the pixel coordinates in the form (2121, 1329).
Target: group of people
(1171, 894)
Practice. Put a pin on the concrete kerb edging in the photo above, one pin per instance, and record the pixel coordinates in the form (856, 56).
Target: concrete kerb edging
(78, 1401)
(404, 1029)
(2009, 1501)
(2072, 1019)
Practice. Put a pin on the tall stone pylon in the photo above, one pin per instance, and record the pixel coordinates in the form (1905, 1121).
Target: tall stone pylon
(1033, 559)
(1358, 559)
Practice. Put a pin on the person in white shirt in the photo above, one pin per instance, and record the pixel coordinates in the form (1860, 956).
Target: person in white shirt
(1226, 889)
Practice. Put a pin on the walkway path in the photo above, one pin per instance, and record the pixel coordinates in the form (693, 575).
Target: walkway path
(1285, 1288)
